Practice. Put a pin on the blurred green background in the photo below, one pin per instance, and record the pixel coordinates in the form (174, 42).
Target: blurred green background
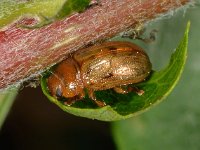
(175, 123)
(35, 123)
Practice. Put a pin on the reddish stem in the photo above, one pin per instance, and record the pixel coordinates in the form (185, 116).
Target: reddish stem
(27, 51)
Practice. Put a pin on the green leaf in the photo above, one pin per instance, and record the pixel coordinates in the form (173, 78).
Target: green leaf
(71, 6)
(174, 125)
(6, 100)
(67, 9)
(10, 10)
(120, 106)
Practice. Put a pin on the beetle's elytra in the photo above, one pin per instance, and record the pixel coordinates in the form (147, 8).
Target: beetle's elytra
(110, 65)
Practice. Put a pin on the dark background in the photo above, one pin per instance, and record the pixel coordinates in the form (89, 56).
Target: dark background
(35, 123)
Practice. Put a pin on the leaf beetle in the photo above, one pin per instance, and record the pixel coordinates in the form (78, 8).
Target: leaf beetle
(110, 65)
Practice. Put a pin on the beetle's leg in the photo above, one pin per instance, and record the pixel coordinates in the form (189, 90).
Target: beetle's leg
(71, 100)
(133, 33)
(93, 97)
(137, 34)
(74, 99)
(120, 90)
(152, 37)
(136, 90)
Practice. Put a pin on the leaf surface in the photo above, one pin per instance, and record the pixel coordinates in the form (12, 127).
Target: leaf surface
(120, 106)
(6, 100)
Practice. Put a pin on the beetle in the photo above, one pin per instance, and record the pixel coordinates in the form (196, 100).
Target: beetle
(110, 65)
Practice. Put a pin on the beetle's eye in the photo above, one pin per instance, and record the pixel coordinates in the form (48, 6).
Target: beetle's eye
(58, 92)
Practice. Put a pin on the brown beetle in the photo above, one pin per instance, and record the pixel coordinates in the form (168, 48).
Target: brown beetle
(110, 65)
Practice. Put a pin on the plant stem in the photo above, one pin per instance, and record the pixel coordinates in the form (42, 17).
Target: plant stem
(25, 52)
